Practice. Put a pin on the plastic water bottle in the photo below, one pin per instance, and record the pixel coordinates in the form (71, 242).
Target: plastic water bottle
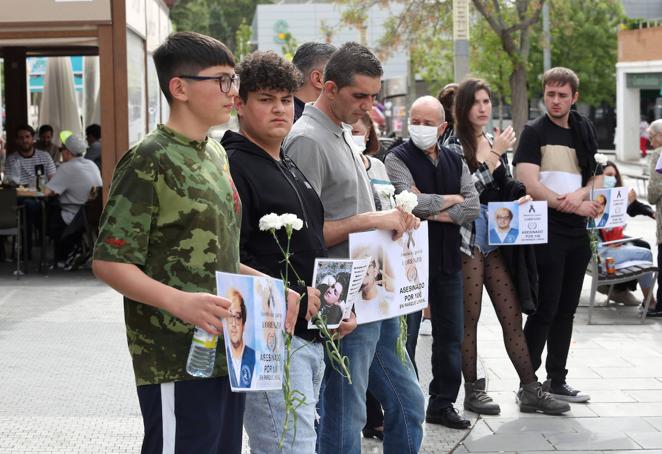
(202, 356)
(42, 182)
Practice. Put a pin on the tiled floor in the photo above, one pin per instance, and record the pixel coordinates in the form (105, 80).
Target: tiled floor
(67, 385)
(619, 366)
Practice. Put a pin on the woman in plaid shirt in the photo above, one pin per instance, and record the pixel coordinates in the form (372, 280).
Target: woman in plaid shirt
(482, 264)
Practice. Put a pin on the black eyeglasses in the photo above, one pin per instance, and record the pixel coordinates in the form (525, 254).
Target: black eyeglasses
(225, 81)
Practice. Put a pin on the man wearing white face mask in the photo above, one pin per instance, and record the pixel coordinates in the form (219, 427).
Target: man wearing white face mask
(447, 198)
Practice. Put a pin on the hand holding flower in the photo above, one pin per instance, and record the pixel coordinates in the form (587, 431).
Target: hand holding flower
(588, 208)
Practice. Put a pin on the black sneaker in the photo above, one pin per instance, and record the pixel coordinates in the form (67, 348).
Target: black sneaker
(565, 392)
(448, 417)
(652, 311)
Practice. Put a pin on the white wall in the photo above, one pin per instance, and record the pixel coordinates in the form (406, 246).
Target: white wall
(627, 108)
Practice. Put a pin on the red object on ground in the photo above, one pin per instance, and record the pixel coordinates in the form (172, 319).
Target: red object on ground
(643, 146)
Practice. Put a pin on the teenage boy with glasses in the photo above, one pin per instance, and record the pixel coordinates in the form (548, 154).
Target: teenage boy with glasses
(172, 219)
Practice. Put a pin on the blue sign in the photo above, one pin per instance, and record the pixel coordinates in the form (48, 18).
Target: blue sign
(37, 72)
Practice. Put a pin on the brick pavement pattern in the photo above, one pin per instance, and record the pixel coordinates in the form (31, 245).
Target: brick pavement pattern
(66, 384)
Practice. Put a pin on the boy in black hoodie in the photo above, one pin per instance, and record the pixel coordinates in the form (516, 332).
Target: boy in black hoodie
(269, 182)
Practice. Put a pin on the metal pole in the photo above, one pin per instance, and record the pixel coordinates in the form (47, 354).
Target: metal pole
(547, 38)
(461, 38)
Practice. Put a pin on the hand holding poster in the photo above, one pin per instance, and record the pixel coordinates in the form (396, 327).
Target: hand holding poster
(339, 283)
(613, 208)
(397, 279)
(510, 223)
(253, 332)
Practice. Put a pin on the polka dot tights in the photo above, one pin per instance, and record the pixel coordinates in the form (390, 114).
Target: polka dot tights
(491, 272)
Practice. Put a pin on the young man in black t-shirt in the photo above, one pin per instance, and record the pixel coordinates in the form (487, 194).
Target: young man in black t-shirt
(555, 160)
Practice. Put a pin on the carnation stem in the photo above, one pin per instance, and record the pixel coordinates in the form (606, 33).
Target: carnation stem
(401, 342)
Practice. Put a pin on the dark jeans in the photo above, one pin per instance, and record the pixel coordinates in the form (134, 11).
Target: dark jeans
(413, 327)
(447, 317)
(56, 228)
(201, 416)
(374, 414)
(32, 221)
(561, 264)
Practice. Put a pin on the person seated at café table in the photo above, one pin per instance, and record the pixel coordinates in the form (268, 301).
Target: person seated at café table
(45, 143)
(21, 169)
(72, 184)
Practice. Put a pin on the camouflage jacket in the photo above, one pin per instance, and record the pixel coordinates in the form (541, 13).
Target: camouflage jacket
(174, 212)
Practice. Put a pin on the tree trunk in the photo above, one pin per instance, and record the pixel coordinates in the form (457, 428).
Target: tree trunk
(519, 97)
(501, 101)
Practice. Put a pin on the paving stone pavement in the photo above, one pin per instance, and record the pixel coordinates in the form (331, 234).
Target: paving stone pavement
(67, 385)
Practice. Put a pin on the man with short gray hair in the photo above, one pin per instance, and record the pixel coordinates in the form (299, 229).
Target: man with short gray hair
(310, 58)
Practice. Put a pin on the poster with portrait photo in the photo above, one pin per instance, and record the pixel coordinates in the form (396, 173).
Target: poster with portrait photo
(509, 223)
(253, 333)
(613, 205)
(396, 282)
(339, 282)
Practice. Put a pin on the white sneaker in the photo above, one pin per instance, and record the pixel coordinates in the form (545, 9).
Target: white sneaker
(426, 328)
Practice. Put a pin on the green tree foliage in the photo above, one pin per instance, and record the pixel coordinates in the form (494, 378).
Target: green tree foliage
(506, 44)
(584, 38)
(243, 40)
(218, 18)
(512, 21)
(490, 62)
(423, 27)
(289, 46)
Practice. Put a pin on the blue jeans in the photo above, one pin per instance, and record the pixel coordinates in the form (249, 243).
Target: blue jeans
(628, 252)
(447, 316)
(265, 411)
(372, 356)
(482, 234)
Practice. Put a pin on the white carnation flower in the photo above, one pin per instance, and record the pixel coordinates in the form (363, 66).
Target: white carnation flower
(270, 221)
(601, 158)
(291, 220)
(406, 201)
(386, 190)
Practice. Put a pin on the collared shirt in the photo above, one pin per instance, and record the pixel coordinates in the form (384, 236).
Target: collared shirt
(482, 178)
(322, 151)
(430, 204)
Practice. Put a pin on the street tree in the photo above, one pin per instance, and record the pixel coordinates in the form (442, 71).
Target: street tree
(218, 18)
(512, 21)
(585, 39)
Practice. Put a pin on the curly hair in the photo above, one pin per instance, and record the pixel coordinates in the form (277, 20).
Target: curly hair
(267, 71)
